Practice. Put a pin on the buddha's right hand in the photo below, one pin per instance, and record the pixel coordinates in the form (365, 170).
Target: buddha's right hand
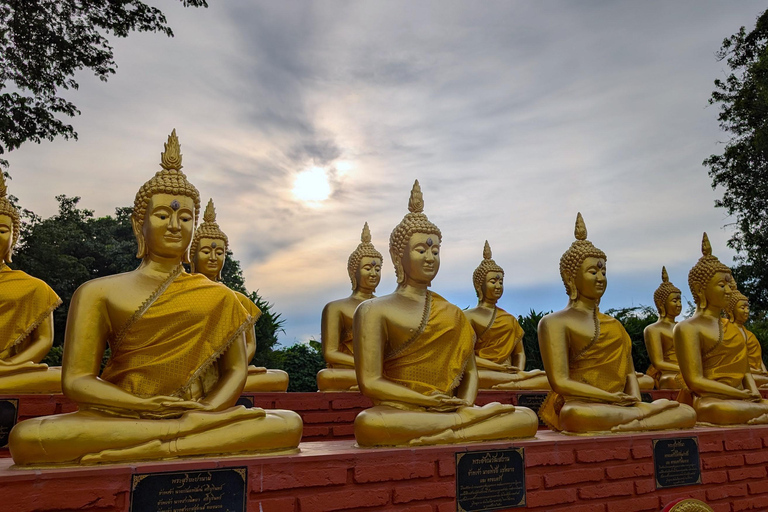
(166, 406)
(624, 400)
(446, 403)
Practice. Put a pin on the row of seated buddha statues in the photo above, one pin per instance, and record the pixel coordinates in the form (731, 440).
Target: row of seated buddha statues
(179, 351)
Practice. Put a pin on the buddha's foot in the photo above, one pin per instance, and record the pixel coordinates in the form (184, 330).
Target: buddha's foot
(470, 415)
(149, 450)
(632, 426)
(445, 437)
(512, 385)
(354, 388)
(760, 420)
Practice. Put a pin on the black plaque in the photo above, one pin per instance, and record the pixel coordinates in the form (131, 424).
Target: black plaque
(490, 480)
(676, 462)
(214, 490)
(646, 397)
(9, 409)
(532, 401)
(245, 400)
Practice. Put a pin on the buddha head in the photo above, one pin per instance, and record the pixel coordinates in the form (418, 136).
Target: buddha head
(709, 280)
(10, 225)
(667, 297)
(414, 244)
(738, 306)
(209, 246)
(488, 277)
(166, 209)
(582, 267)
(364, 264)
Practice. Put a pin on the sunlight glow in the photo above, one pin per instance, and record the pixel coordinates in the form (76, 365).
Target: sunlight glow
(312, 185)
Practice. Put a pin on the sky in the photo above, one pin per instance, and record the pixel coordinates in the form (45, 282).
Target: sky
(303, 120)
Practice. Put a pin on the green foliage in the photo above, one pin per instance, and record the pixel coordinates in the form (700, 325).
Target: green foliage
(302, 362)
(530, 325)
(635, 320)
(73, 247)
(43, 43)
(742, 169)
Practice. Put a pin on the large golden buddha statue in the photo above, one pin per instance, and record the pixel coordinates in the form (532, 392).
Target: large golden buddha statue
(715, 367)
(499, 352)
(364, 268)
(588, 357)
(26, 317)
(208, 254)
(178, 356)
(414, 355)
(658, 336)
(738, 314)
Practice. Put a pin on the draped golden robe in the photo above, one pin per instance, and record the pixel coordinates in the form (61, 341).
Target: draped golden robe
(497, 342)
(754, 353)
(670, 356)
(604, 363)
(434, 359)
(175, 337)
(252, 309)
(726, 361)
(25, 302)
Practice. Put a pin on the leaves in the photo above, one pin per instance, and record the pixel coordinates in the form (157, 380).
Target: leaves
(742, 169)
(43, 43)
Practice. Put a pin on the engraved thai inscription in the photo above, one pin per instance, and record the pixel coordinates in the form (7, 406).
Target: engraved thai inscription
(490, 480)
(676, 462)
(215, 490)
(532, 401)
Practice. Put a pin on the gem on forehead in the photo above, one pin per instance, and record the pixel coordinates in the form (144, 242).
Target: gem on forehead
(600, 264)
(429, 242)
(213, 244)
(175, 205)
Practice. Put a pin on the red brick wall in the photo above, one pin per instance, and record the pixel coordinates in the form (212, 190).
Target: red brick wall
(563, 473)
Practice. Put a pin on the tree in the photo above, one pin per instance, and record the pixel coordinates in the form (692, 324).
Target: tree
(530, 325)
(742, 169)
(43, 43)
(302, 361)
(72, 247)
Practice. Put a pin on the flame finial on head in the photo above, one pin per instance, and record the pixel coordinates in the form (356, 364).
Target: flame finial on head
(171, 157)
(580, 230)
(487, 251)
(365, 236)
(416, 201)
(209, 215)
(706, 247)
(664, 275)
(3, 186)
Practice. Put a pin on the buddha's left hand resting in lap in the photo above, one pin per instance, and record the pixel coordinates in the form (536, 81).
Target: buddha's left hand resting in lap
(588, 358)
(208, 255)
(26, 317)
(414, 356)
(178, 361)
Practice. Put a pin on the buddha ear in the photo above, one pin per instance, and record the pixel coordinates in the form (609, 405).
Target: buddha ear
(662, 312)
(399, 274)
(573, 292)
(185, 257)
(141, 250)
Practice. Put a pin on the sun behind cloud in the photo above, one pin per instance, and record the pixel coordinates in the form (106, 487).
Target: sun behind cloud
(312, 185)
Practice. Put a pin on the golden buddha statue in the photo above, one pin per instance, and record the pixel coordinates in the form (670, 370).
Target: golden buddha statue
(499, 351)
(178, 356)
(658, 336)
(208, 254)
(364, 268)
(715, 367)
(588, 358)
(415, 359)
(738, 313)
(26, 317)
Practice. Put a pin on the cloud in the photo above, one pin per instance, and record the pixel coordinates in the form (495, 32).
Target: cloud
(513, 116)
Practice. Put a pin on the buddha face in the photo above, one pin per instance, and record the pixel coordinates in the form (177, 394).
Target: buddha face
(421, 259)
(210, 257)
(493, 288)
(673, 305)
(368, 274)
(590, 280)
(718, 290)
(168, 225)
(6, 236)
(741, 311)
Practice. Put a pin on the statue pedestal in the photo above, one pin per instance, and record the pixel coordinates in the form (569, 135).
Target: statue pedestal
(613, 473)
